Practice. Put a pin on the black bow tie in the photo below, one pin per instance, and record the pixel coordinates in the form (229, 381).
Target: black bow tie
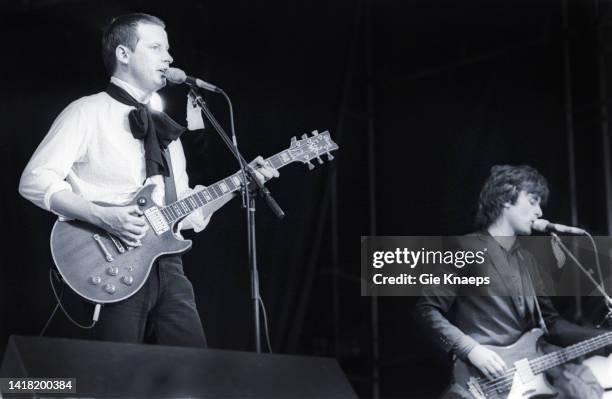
(156, 129)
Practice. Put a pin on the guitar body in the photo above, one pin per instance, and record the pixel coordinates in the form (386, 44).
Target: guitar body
(92, 264)
(521, 384)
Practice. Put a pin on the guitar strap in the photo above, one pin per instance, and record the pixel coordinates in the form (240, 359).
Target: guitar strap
(169, 184)
(537, 304)
(542, 322)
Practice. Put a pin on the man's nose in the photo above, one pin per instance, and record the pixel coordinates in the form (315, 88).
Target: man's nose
(168, 57)
(538, 211)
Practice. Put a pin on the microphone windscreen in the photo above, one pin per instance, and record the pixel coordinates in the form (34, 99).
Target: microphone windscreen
(176, 75)
(540, 225)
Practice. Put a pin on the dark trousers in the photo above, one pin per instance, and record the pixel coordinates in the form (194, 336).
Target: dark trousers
(163, 311)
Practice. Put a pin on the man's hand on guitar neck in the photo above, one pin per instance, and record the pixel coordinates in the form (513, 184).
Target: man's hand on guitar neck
(263, 170)
(487, 361)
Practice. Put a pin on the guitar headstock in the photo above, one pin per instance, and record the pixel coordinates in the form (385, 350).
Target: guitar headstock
(309, 148)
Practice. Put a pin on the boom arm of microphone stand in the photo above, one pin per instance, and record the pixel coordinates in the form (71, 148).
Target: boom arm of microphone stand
(600, 288)
(247, 170)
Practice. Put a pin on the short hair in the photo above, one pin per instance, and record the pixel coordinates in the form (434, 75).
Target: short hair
(123, 30)
(504, 185)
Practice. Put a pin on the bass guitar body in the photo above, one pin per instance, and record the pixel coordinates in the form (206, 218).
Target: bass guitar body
(518, 382)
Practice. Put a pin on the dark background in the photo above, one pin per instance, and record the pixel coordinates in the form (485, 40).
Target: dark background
(455, 87)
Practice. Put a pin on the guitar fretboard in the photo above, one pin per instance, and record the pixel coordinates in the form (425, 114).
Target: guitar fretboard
(183, 207)
(557, 358)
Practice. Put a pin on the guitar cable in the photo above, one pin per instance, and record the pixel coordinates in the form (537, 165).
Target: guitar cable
(61, 295)
(42, 332)
(95, 316)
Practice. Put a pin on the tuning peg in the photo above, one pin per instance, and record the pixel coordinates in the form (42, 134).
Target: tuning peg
(304, 136)
(315, 132)
(310, 165)
(320, 160)
(293, 140)
(330, 156)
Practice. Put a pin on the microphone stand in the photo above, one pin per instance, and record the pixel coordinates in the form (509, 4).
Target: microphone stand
(248, 201)
(600, 287)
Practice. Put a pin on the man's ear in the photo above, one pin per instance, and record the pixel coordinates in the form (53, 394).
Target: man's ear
(122, 53)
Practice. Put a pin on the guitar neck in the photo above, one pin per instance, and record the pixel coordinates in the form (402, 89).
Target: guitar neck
(223, 188)
(554, 359)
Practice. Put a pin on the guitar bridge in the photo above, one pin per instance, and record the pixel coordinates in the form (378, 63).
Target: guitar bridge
(156, 220)
(474, 388)
(117, 243)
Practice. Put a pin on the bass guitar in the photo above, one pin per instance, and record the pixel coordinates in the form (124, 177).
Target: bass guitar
(525, 377)
(101, 268)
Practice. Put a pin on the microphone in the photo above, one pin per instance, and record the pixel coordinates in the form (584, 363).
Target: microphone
(544, 226)
(178, 76)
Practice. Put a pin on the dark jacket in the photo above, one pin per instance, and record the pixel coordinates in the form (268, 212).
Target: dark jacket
(459, 318)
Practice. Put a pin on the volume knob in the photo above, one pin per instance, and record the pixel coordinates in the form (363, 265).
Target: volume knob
(112, 271)
(110, 289)
(95, 280)
(127, 280)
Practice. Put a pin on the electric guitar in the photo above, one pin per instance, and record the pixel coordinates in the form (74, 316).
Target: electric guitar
(524, 378)
(103, 269)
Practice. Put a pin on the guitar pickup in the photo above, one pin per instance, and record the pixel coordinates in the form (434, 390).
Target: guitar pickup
(117, 243)
(156, 220)
(524, 371)
(107, 254)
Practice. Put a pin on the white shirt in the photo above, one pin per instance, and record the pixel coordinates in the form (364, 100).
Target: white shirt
(90, 150)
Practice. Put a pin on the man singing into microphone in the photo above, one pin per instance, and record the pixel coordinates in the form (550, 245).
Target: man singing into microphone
(104, 148)
(462, 320)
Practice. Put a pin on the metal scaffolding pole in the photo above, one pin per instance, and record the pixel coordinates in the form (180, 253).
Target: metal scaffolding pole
(372, 190)
(571, 153)
(569, 116)
(603, 116)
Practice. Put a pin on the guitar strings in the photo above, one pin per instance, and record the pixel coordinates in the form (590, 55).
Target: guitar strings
(571, 352)
(500, 382)
(496, 384)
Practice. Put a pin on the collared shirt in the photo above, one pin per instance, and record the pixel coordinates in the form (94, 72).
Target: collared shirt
(497, 314)
(510, 263)
(90, 150)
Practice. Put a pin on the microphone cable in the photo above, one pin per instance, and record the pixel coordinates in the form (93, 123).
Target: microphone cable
(599, 272)
(263, 311)
(608, 316)
(599, 286)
